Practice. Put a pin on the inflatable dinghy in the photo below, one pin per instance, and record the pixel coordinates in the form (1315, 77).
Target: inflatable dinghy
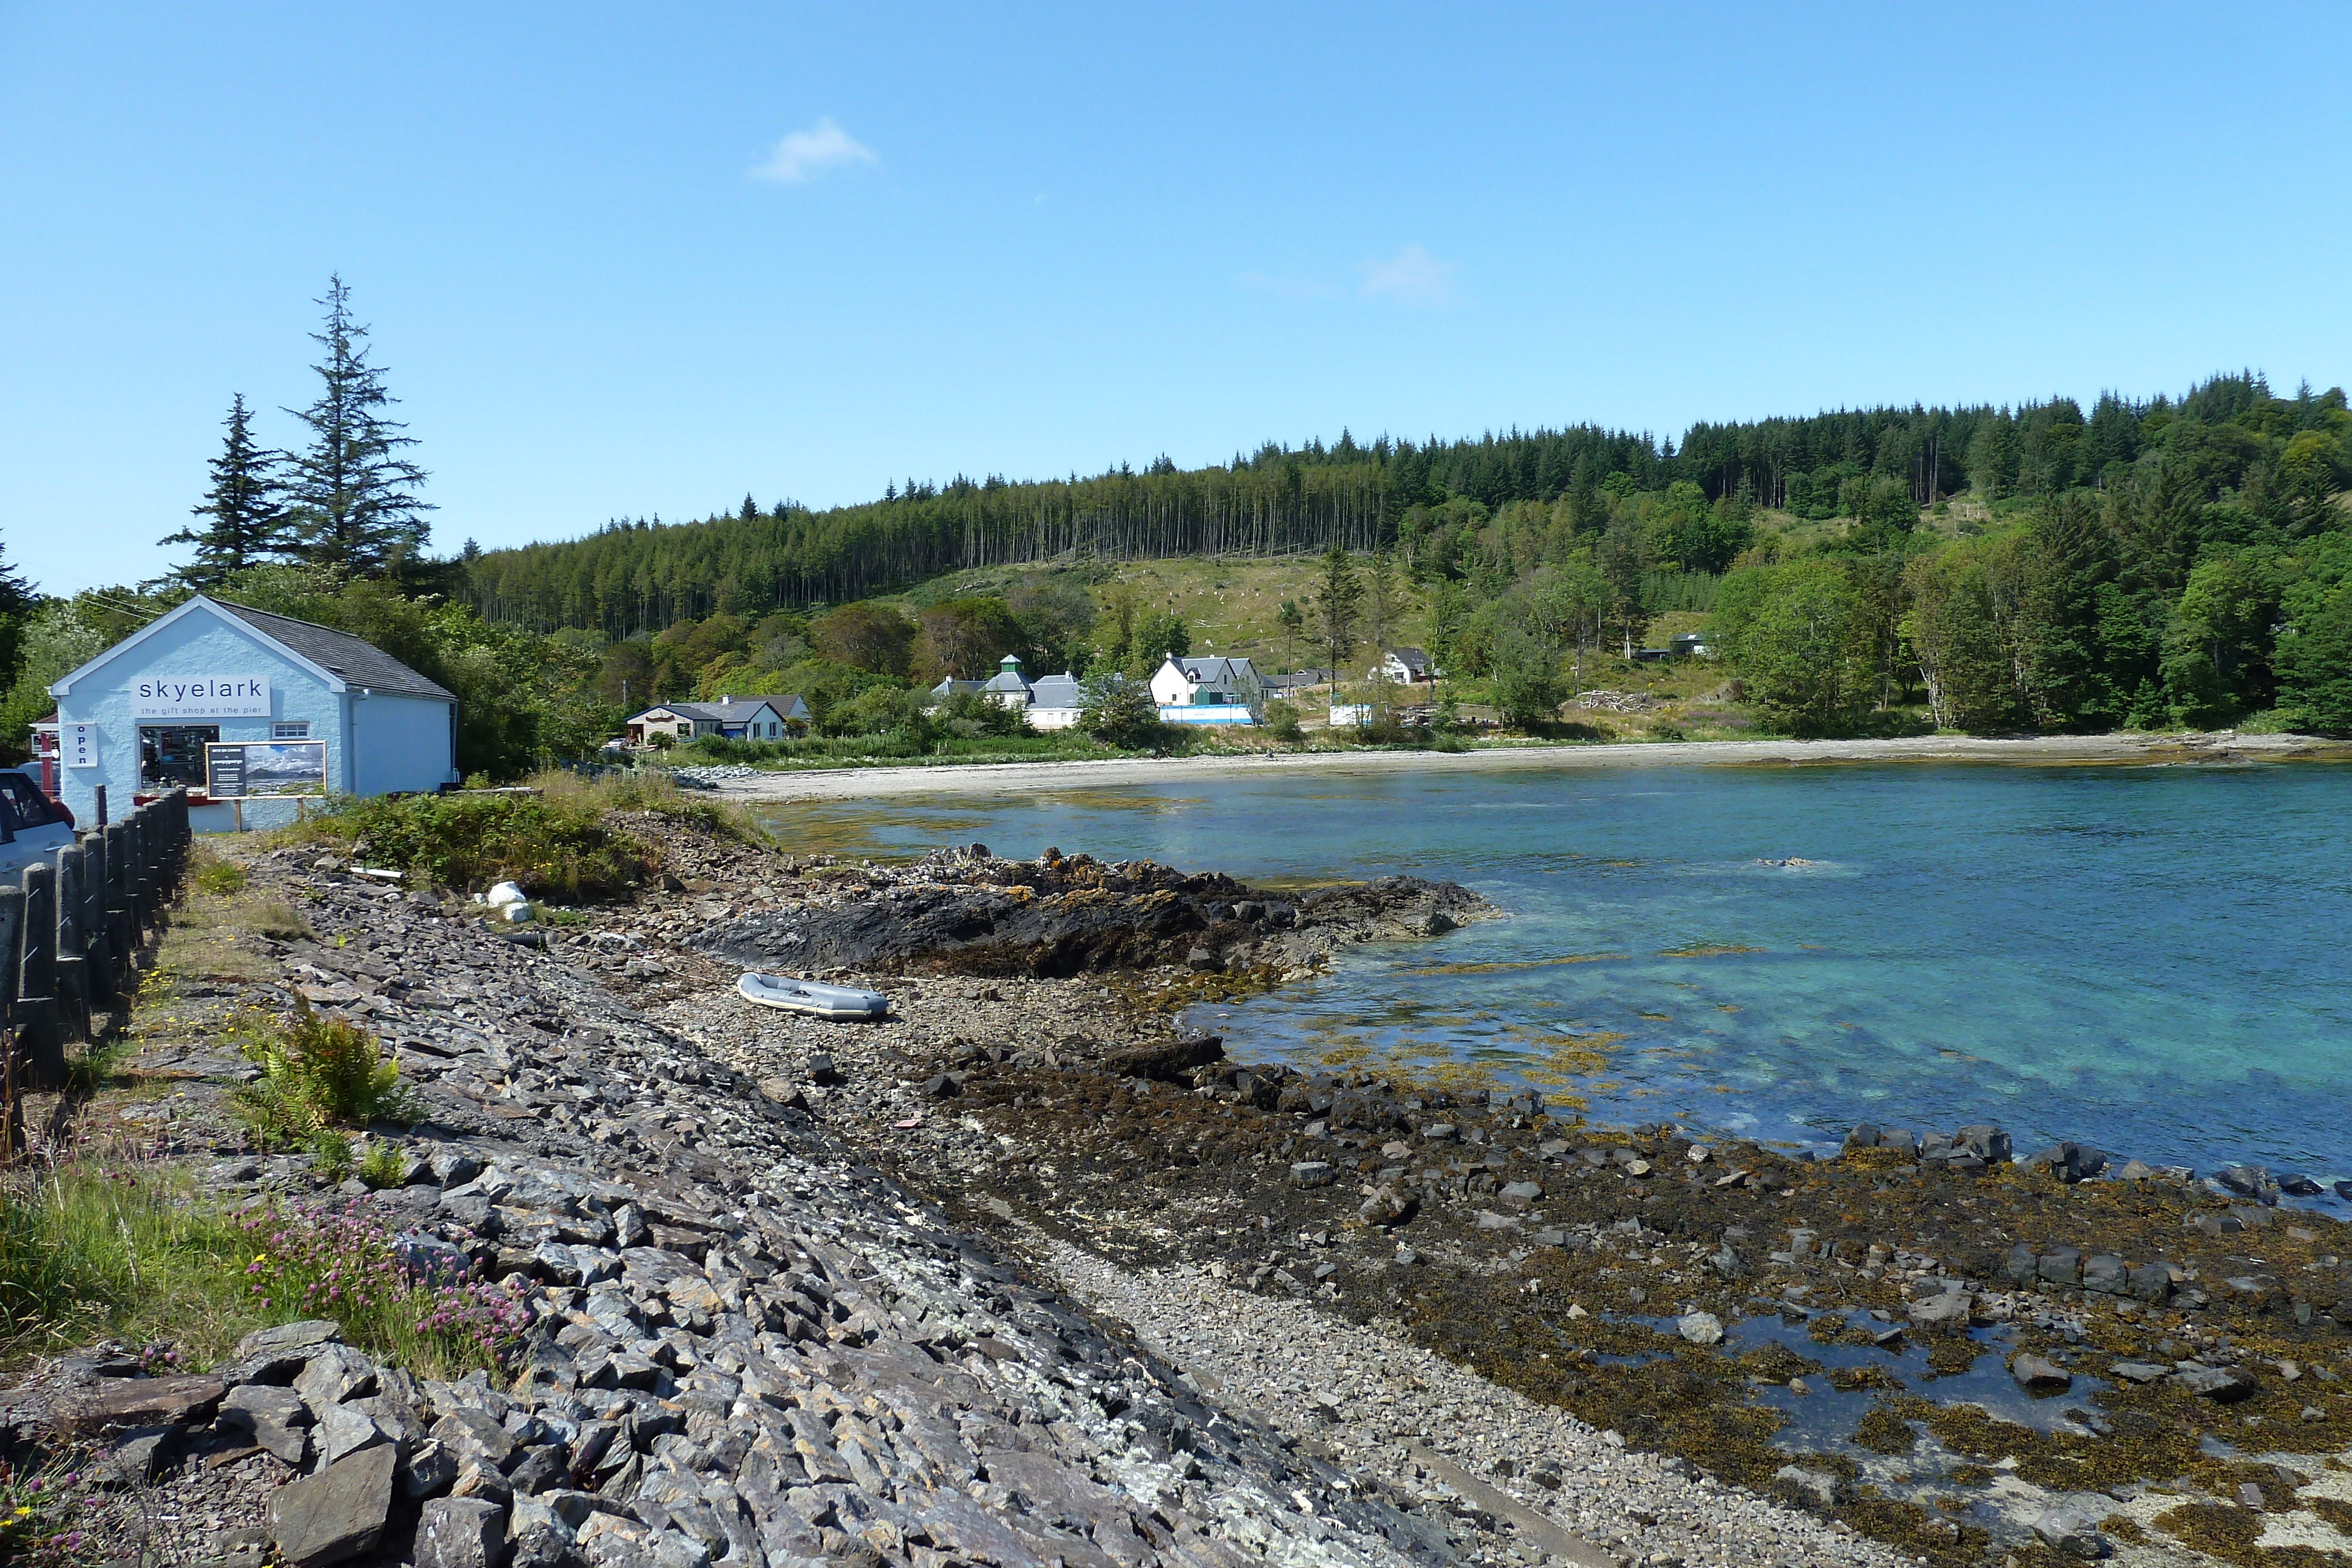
(808, 997)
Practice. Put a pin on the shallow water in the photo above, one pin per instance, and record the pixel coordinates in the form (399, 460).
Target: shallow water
(2149, 958)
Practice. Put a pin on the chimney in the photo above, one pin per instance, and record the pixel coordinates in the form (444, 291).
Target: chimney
(725, 697)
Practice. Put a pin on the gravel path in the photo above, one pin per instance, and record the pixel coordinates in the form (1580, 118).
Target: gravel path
(1378, 1406)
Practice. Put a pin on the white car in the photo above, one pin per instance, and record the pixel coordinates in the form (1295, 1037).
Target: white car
(32, 826)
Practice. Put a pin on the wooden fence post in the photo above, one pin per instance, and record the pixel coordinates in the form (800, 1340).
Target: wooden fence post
(70, 963)
(122, 928)
(12, 1056)
(38, 1027)
(97, 934)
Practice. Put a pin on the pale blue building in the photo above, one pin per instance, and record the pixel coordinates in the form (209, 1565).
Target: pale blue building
(253, 712)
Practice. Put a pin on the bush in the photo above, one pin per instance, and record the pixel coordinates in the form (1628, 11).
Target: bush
(1282, 721)
(555, 845)
(319, 1074)
(1120, 709)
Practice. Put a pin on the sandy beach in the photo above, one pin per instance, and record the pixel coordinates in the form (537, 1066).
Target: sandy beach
(857, 783)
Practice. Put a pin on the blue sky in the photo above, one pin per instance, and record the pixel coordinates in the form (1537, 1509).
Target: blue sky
(624, 263)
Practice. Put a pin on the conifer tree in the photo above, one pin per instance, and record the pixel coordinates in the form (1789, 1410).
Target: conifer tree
(354, 502)
(245, 519)
(1339, 596)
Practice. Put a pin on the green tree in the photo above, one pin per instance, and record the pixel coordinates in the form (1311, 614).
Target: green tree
(1157, 635)
(245, 522)
(1524, 678)
(864, 636)
(1293, 621)
(1115, 706)
(1953, 632)
(1801, 652)
(2217, 647)
(2314, 667)
(1339, 600)
(351, 496)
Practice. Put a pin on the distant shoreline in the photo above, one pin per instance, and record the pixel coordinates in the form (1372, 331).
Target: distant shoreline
(995, 777)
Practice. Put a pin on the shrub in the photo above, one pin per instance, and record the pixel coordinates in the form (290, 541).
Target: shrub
(317, 1073)
(1282, 721)
(556, 845)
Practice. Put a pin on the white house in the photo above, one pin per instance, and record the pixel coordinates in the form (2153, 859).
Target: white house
(731, 717)
(1402, 666)
(1050, 701)
(249, 711)
(1208, 690)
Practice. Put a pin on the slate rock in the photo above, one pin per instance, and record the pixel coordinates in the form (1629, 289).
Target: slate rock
(343, 1430)
(540, 1468)
(2073, 1532)
(2061, 1266)
(2036, 1375)
(1700, 1328)
(460, 1532)
(1167, 1061)
(1314, 1173)
(275, 1419)
(1521, 1194)
(2300, 1186)
(1946, 1310)
(2107, 1274)
(335, 1515)
(305, 1337)
(2140, 1371)
(823, 1072)
(118, 1404)
(1386, 1207)
(2222, 1385)
(335, 1374)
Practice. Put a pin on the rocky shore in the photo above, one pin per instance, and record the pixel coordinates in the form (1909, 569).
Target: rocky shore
(1026, 1274)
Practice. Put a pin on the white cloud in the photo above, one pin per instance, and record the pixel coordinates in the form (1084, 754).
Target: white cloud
(804, 154)
(1412, 277)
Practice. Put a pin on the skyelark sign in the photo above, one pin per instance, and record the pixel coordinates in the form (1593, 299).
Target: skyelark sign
(200, 696)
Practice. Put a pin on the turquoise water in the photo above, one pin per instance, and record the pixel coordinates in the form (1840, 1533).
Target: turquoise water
(2152, 959)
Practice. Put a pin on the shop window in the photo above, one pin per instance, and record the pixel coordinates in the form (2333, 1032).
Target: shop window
(290, 729)
(173, 754)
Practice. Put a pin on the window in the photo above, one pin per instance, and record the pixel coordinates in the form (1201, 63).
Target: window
(290, 729)
(24, 804)
(172, 754)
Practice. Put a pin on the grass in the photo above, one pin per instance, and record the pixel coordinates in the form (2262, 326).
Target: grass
(106, 1244)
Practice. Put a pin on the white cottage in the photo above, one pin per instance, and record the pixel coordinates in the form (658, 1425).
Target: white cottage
(250, 711)
(1207, 690)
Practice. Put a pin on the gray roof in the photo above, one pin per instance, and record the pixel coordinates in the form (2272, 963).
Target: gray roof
(1219, 674)
(738, 711)
(1053, 691)
(357, 662)
(1005, 681)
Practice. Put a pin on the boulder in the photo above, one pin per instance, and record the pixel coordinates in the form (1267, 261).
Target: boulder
(2222, 1385)
(118, 1404)
(2073, 1532)
(1700, 1328)
(2036, 1375)
(335, 1374)
(1946, 1310)
(335, 1515)
(1313, 1173)
(1169, 1062)
(2107, 1274)
(274, 1418)
(460, 1532)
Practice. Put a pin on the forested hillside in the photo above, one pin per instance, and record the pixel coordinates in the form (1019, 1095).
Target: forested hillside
(2172, 562)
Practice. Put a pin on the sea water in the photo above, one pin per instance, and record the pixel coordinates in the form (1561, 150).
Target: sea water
(2151, 959)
